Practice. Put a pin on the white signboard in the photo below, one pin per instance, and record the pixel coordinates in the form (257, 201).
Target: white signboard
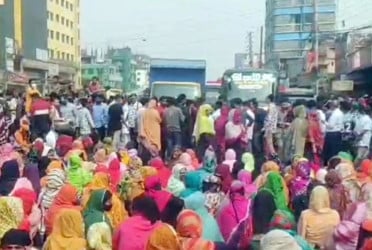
(345, 85)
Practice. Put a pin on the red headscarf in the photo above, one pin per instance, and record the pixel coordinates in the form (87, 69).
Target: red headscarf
(161, 197)
(223, 171)
(28, 198)
(221, 121)
(163, 172)
(114, 172)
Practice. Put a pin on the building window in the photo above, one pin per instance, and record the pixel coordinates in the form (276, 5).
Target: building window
(68, 57)
(57, 1)
(63, 20)
(57, 18)
(71, 7)
(67, 4)
(63, 55)
(51, 34)
(72, 57)
(63, 38)
(57, 36)
(67, 23)
(51, 16)
(67, 39)
(62, 3)
(72, 41)
(51, 53)
(58, 54)
(72, 25)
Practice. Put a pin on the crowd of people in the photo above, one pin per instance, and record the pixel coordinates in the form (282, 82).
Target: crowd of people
(129, 174)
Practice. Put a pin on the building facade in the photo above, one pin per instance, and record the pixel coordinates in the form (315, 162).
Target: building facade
(64, 36)
(353, 14)
(290, 29)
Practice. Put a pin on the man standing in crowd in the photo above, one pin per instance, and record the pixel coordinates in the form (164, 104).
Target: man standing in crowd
(270, 124)
(85, 121)
(363, 133)
(40, 116)
(133, 108)
(173, 122)
(115, 118)
(334, 126)
(99, 111)
(249, 122)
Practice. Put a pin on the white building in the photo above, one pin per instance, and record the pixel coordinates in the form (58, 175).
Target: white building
(353, 14)
(142, 78)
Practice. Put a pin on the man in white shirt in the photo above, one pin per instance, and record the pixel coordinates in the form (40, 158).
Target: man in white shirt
(363, 133)
(249, 118)
(334, 126)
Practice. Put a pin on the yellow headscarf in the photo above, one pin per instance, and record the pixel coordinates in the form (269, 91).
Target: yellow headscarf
(11, 214)
(68, 231)
(118, 214)
(148, 172)
(164, 237)
(203, 124)
(99, 236)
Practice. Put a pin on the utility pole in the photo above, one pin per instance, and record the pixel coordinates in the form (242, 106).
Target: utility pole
(316, 34)
(261, 47)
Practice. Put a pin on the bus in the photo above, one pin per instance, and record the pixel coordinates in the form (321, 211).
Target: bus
(249, 83)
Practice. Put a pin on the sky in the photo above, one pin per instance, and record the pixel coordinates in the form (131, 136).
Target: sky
(213, 30)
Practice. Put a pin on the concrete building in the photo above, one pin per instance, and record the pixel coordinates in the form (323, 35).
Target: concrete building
(142, 78)
(107, 72)
(353, 14)
(289, 28)
(23, 39)
(64, 37)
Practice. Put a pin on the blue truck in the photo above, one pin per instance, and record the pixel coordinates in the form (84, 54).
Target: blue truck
(172, 77)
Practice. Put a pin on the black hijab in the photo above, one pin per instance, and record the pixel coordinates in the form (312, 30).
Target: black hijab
(9, 176)
(263, 210)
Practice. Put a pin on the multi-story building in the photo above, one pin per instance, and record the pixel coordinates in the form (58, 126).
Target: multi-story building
(64, 36)
(142, 70)
(290, 27)
(107, 72)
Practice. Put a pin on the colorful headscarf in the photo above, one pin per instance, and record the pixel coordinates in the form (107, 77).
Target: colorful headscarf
(11, 214)
(175, 185)
(163, 172)
(274, 184)
(230, 158)
(190, 230)
(161, 197)
(279, 239)
(192, 184)
(54, 182)
(302, 179)
(248, 160)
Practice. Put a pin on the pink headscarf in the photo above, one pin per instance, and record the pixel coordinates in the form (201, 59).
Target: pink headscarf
(194, 159)
(163, 172)
(246, 178)
(161, 197)
(237, 210)
(223, 171)
(114, 172)
(22, 183)
(346, 233)
(230, 158)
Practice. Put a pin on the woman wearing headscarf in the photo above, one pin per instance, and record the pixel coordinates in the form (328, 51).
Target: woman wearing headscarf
(53, 183)
(67, 197)
(32, 213)
(236, 134)
(246, 177)
(163, 237)
(274, 184)
(204, 131)
(194, 158)
(338, 194)
(22, 183)
(164, 173)
(78, 149)
(175, 183)
(284, 220)
(269, 166)
(9, 176)
(150, 130)
(153, 190)
(209, 164)
(7, 153)
(190, 230)
(76, 175)
(192, 184)
(237, 209)
(317, 223)
(211, 232)
(301, 180)
(144, 220)
(365, 172)
(349, 179)
(263, 209)
(114, 171)
(224, 173)
(248, 161)
(16, 239)
(11, 214)
(299, 129)
(279, 239)
(118, 212)
(98, 227)
(186, 160)
(219, 125)
(67, 232)
(213, 193)
(230, 158)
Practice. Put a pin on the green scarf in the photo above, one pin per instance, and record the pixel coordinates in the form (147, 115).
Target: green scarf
(275, 185)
